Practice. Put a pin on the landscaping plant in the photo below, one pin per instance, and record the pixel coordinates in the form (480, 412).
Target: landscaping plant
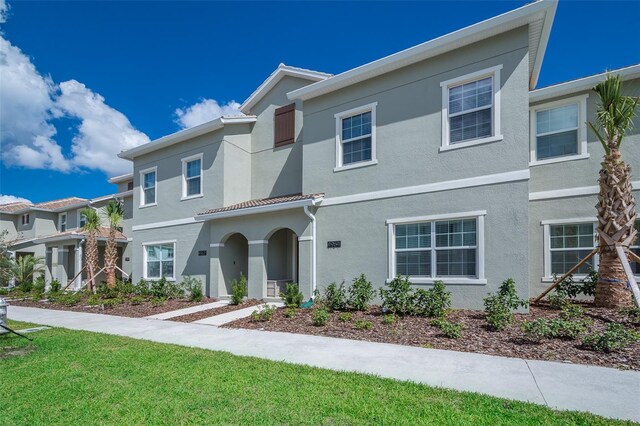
(238, 290)
(194, 287)
(142, 288)
(434, 302)
(159, 288)
(633, 315)
(91, 227)
(398, 297)
(499, 307)
(263, 313)
(24, 269)
(292, 297)
(114, 214)
(335, 297)
(55, 287)
(449, 329)
(388, 319)
(156, 301)
(361, 293)
(363, 325)
(345, 317)
(612, 339)
(290, 312)
(320, 317)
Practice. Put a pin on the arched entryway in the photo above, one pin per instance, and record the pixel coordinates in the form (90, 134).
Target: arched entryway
(282, 261)
(234, 260)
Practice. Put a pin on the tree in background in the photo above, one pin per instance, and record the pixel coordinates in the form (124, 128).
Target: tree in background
(114, 214)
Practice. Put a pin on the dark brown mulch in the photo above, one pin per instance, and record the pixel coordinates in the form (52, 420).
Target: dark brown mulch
(216, 311)
(123, 310)
(477, 337)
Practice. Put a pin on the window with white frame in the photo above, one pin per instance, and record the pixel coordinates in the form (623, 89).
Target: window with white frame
(82, 220)
(148, 187)
(558, 130)
(437, 248)
(63, 222)
(568, 244)
(192, 176)
(25, 219)
(159, 260)
(471, 109)
(356, 137)
(635, 266)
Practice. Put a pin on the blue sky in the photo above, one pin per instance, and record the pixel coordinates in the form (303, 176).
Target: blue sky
(94, 77)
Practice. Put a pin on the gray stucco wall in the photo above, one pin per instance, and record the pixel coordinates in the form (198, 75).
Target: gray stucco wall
(9, 223)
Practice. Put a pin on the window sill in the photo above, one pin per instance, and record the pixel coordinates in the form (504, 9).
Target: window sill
(447, 281)
(559, 159)
(551, 279)
(450, 147)
(144, 206)
(191, 197)
(159, 278)
(356, 165)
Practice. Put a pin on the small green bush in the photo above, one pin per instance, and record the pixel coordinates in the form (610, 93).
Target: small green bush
(39, 285)
(569, 289)
(70, 299)
(398, 298)
(106, 292)
(320, 317)
(557, 300)
(553, 329)
(110, 303)
(158, 301)
(361, 293)
(290, 312)
(434, 302)
(136, 300)
(142, 288)
(4, 291)
(292, 297)
(345, 317)
(159, 288)
(25, 286)
(571, 311)
(263, 313)
(536, 330)
(335, 297)
(612, 339)
(388, 319)
(499, 307)
(193, 286)
(238, 290)
(94, 300)
(363, 325)
(633, 315)
(55, 286)
(174, 290)
(124, 288)
(449, 329)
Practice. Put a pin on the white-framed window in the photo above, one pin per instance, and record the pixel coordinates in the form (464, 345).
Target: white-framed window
(567, 242)
(558, 131)
(356, 137)
(25, 219)
(192, 177)
(159, 260)
(148, 184)
(82, 220)
(62, 222)
(635, 266)
(471, 109)
(448, 247)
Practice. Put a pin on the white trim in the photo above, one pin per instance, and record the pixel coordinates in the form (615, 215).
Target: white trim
(185, 221)
(78, 217)
(568, 221)
(255, 242)
(153, 169)
(259, 209)
(307, 238)
(186, 160)
(536, 11)
(497, 178)
(496, 129)
(214, 245)
(121, 178)
(66, 222)
(314, 250)
(339, 153)
(144, 259)
(446, 280)
(123, 194)
(462, 215)
(581, 102)
(572, 192)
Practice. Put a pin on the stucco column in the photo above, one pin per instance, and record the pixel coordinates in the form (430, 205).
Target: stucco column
(257, 280)
(78, 282)
(305, 254)
(215, 286)
(61, 270)
(52, 270)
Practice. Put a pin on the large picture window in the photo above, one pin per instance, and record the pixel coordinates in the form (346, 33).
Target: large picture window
(356, 137)
(159, 260)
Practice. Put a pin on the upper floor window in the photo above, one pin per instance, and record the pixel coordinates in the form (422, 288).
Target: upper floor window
(284, 125)
(129, 186)
(82, 220)
(25, 219)
(558, 131)
(471, 109)
(63, 222)
(356, 137)
(148, 187)
(192, 176)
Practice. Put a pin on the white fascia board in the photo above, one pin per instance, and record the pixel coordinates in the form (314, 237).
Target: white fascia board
(572, 192)
(183, 135)
(259, 209)
(274, 78)
(581, 84)
(121, 178)
(543, 9)
(124, 194)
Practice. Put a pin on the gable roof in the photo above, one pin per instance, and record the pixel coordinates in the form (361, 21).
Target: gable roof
(538, 16)
(262, 205)
(273, 79)
(14, 207)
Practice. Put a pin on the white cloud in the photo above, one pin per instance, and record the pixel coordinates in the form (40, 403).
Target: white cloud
(205, 110)
(4, 10)
(7, 199)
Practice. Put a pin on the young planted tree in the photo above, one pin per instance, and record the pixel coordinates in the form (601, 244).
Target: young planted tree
(616, 205)
(91, 228)
(114, 214)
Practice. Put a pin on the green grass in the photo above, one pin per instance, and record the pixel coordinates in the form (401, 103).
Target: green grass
(87, 378)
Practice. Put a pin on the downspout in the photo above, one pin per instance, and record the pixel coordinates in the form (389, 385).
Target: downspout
(80, 254)
(313, 249)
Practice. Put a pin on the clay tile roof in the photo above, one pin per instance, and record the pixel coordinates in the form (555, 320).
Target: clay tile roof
(58, 204)
(13, 207)
(264, 202)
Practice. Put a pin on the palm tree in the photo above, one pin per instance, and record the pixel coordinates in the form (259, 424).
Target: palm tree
(114, 214)
(91, 227)
(616, 205)
(25, 268)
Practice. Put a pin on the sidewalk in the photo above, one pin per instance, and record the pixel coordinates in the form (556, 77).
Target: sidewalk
(604, 391)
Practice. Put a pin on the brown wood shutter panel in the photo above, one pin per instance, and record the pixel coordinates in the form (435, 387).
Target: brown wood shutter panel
(285, 125)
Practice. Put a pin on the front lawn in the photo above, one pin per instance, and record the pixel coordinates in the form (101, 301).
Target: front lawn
(77, 377)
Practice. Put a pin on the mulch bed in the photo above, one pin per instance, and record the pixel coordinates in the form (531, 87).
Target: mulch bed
(123, 310)
(216, 311)
(476, 336)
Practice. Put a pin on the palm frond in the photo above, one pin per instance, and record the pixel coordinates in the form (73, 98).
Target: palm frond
(92, 220)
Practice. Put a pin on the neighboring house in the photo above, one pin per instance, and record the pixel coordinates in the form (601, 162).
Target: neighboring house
(440, 162)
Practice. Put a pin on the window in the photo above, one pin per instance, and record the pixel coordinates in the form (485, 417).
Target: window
(566, 243)
(25, 219)
(159, 260)
(356, 137)
(558, 131)
(635, 266)
(129, 186)
(284, 125)
(63, 222)
(82, 220)
(471, 109)
(148, 187)
(192, 177)
(431, 248)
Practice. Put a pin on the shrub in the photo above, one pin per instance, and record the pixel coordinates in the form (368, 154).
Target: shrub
(320, 317)
(633, 315)
(194, 287)
(388, 319)
(553, 329)
(361, 293)
(106, 292)
(571, 311)
(499, 307)
(612, 339)
(94, 300)
(335, 297)
(157, 301)
(4, 291)
(55, 286)
(136, 300)
(238, 290)
(433, 302)
(124, 288)
(263, 313)
(557, 300)
(174, 290)
(290, 312)
(449, 329)
(345, 317)
(159, 288)
(142, 288)
(292, 296)
(398, 298)
(110, 303)
(536, 330)
(70, 299)
(26, 286)
(569, 288)
(363, 325)
(39, 285)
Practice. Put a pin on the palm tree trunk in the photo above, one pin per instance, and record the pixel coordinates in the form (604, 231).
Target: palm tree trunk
(92, 260)
(111, 257)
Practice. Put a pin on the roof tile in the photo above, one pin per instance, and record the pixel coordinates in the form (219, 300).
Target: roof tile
(264, 202)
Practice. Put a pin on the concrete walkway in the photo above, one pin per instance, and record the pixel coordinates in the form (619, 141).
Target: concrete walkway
(228, 317)
(604, 391)
(187, 311)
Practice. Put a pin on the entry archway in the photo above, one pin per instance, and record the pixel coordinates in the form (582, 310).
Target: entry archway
(282, 260)
(234, 259)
